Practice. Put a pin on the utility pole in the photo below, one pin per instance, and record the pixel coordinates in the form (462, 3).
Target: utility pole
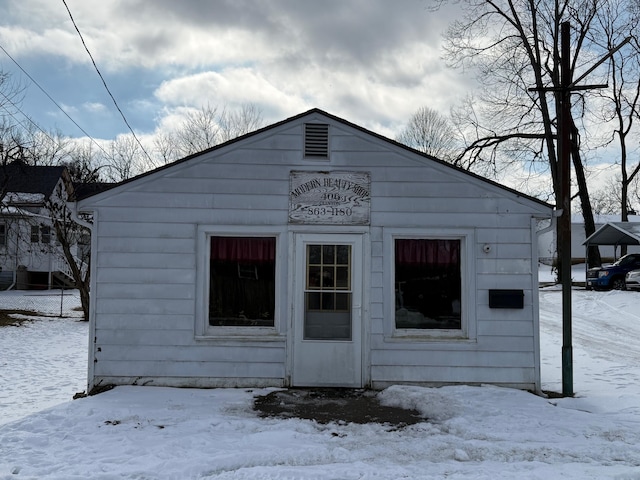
(565, 147)
(564, 227)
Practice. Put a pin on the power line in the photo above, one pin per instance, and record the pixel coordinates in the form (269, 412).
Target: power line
(104, 82)
(8, 100)
(50, 98)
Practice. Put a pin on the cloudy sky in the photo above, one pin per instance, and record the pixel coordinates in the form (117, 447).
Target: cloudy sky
(372, 62)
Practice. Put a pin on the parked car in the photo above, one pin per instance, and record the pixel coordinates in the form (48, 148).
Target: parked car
(632, 280)
(613, 276)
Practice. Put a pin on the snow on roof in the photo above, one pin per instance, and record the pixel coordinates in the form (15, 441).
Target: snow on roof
(602, 219)
(23, 197)
(10, 210)
(616, 233)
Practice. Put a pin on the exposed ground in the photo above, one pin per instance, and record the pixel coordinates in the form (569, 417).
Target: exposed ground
(13, 317)
(341, 405)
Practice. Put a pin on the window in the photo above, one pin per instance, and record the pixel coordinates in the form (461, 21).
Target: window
(3, 235)
(40, 233)
(428, 284)
(35, 233)
(45, 233)
(328, 293)
(242, 281)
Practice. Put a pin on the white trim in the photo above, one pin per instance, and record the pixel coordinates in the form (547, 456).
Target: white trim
(203, 331)
(329, 229)
(468, 330)
(535, 300)
(93, 289)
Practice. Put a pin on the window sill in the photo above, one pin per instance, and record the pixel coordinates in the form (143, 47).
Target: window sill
(235, 334)
(430, 336)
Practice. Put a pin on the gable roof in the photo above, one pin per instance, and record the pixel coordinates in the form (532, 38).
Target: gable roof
(23, 178)
(317, 111)
(616, 233)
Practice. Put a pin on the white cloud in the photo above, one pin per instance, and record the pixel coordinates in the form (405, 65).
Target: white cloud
(232, 86)
(372, 62)
(94, 107)
(69, 109)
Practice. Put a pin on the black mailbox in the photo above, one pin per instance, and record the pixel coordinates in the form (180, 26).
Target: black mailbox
(506, 299)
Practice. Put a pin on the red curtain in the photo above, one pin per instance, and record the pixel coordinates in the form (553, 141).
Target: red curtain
(243, 249)
(445, 253)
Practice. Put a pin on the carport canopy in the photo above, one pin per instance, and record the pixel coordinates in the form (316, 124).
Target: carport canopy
(615, 233)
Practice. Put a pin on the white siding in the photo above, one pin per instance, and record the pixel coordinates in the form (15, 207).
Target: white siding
(146, 265)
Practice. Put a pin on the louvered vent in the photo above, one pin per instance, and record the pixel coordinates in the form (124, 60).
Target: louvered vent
(316, 140)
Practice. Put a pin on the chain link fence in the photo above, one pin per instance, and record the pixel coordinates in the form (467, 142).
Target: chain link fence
(51, 303)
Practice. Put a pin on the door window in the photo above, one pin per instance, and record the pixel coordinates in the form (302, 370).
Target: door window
(328, 292)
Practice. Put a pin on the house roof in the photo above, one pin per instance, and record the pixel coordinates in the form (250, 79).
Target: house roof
(84, 190)
(23, 178)
(601, 219)
(317, 111)
(616, 233)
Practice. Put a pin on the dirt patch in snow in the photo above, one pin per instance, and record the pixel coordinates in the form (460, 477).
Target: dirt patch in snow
(8, 317)
(325, 405)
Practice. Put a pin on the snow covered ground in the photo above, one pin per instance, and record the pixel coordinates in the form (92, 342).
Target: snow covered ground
(472, 432)
(42, 362)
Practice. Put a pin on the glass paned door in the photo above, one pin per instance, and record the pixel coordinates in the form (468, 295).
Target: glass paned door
(327, 310)
(327, 313)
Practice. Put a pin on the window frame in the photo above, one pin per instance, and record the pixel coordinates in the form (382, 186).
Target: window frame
(203, 330)
(4, 232)
(467, 331)
(46, 234)
(35, 234)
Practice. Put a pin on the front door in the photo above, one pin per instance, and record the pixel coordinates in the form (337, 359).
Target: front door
(327, 347)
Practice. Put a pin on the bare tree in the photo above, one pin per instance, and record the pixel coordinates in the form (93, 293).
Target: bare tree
(11, 96)
(621, 105)
(515, 47)
(234, 123)
(24, 147)
(10, 151)
(72, 237)
(45, 148)
(606, 199)
(125, 159)
(432, 133)
(165, 147)
(204, 128)
(82, 164)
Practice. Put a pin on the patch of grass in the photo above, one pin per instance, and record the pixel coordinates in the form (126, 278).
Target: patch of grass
(552, 394)
(6, 318)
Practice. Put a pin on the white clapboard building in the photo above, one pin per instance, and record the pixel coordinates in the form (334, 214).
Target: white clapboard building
(313, 252)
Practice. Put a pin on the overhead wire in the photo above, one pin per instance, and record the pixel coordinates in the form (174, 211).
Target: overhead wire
(18, 121)
(104, 82)
(33, 80)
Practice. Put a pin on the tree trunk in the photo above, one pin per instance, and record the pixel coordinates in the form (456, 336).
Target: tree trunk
(593, 253)
(81, 281)
(84, 297)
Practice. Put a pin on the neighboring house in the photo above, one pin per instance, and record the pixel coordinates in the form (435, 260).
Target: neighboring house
(30, 254)
(313, 252)
(547, 243)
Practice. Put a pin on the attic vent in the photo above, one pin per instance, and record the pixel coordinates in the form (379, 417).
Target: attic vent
(316, 140)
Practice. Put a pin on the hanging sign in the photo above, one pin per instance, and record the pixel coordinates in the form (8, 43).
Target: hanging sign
(330, 198)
